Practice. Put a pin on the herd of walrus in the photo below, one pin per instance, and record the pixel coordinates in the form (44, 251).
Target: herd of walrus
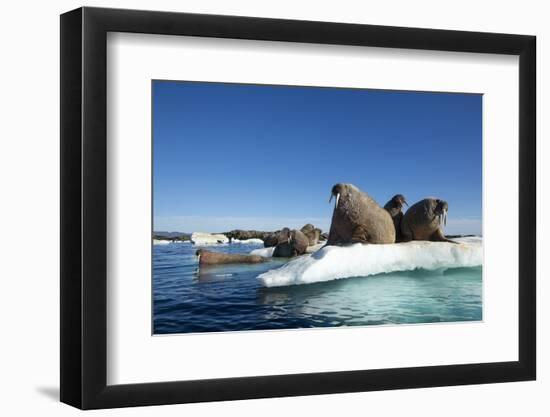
(356, 218)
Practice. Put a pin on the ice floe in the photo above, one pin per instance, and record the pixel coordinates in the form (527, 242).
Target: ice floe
(248, 241)
(199, 238)
(160, 242)
(265, 252)
(358, 260)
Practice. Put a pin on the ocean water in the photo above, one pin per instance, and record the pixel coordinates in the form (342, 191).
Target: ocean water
(187, 299)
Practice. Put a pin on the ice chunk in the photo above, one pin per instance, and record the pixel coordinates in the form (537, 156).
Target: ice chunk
(160, 242)
(265, 252)
(357, 260)
(248, 241)
(199, 238)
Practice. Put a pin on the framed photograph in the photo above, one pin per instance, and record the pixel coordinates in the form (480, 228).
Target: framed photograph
(258, 208)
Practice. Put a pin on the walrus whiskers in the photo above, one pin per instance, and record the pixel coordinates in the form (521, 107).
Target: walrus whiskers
(290, 243)
(425, 220)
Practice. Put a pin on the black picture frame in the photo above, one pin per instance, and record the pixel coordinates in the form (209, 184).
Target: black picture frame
(84, 207)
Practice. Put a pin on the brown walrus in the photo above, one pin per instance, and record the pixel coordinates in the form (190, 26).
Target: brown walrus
(207, 257)
(425, 220)
(271, 240)
(291, 243)
(312, 233)
(394, 207)
(358, 218)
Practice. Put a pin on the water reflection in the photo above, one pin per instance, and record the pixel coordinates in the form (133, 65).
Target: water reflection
(229, 297)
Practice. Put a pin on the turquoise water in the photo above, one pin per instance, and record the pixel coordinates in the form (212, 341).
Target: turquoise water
(231, 298)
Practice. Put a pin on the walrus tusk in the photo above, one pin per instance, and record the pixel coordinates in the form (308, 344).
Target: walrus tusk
(442, 218)
(199, 258)
(337, 199)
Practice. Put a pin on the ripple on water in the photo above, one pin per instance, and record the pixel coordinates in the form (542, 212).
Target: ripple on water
(230, 298)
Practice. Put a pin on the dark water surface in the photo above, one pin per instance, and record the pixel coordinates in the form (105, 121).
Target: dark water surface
(229, 298)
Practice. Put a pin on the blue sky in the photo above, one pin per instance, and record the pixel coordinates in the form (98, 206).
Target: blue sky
(262, 157)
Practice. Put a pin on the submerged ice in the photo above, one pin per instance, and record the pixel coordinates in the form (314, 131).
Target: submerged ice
(265, 252)
(358, 260)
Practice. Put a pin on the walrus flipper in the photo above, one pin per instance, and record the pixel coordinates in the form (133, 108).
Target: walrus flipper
(406, 234)
(359, 235)
(438, 236)
(333, 238)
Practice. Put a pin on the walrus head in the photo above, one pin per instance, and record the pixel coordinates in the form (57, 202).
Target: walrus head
(285, 235)
(337, 191)
(198, 254)
(440, 211)
(399, 200)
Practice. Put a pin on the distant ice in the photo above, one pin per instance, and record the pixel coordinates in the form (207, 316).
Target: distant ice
(199, 238)
(248, 241)
(160, 242)
(202, 239)
(337, 262)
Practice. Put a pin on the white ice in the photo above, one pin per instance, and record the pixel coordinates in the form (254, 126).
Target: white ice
(199, 238)
(248, 241)
(160, 242)
(265, 252)
(337, 262)
(268, 252)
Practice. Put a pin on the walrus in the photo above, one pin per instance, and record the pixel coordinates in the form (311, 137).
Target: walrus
(271, 240)
(358, 218)
(291, 243)
(424, 220)
(394, 207)
(312, 233)
(207, 257)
